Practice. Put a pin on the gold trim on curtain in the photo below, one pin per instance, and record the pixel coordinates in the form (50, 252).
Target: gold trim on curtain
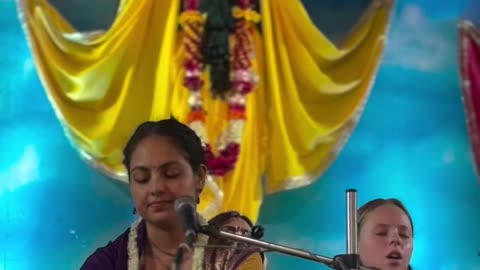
(308, 100)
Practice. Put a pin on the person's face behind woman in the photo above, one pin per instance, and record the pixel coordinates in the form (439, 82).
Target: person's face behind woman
(385, 239)
(159, 174)
(238, 226)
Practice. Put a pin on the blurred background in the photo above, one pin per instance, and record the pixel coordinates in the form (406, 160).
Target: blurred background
(411, 143)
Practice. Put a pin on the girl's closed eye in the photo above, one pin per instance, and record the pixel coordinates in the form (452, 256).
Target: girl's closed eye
(405, 234)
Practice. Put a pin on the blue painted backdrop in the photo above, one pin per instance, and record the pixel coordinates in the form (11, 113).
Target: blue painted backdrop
(411, 143)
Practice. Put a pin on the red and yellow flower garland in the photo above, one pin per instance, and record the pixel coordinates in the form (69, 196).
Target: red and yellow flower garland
(243, 81)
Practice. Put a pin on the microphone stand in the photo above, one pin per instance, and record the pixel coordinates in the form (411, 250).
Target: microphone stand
(347, 261)
(213, 232)
(177, 261)
(351, 260)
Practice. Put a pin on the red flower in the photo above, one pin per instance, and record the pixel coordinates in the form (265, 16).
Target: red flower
(245, 3)
(196, 114)
(191, 4)
(224, 162)
(243, 87)
(193, 83)
(192, 66)
(236, 112)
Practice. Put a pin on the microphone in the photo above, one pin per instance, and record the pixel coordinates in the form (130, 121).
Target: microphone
(185, 207)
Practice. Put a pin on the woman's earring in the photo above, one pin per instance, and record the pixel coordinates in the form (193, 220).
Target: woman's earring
(134, 211)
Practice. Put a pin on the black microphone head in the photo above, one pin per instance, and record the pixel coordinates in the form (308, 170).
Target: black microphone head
(184, 201)
(185, 207)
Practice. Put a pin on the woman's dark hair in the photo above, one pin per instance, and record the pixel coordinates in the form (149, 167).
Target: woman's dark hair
(222, 218)
(184, 138)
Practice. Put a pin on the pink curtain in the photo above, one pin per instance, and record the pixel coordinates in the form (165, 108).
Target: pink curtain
(469, 45)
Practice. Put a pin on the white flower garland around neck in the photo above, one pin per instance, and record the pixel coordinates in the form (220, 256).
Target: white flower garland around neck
(134, 258)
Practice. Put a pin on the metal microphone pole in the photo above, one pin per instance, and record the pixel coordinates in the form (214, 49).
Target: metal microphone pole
(178, 259)
(300, 253)
(352, 246)
(214, 232)
(349, 261)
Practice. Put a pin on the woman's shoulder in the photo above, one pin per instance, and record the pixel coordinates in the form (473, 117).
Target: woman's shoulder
(234, 259)
(253, 261)
(111, 256)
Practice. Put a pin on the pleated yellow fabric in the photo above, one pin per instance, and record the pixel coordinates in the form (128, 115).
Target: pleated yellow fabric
(102, 84)
(315, 91)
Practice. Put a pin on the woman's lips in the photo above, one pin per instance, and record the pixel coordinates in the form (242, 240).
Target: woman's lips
(160, 205)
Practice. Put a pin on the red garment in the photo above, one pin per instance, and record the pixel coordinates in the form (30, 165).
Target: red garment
(469, 44)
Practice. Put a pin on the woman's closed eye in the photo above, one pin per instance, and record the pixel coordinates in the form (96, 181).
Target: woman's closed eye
(140, 176)
(172, 173)
(171, 170)
(141, 180)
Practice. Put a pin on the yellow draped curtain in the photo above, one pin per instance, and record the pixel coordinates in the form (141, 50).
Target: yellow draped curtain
(309, 97)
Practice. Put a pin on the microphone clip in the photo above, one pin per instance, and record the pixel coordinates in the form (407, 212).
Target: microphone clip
(346, 262)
